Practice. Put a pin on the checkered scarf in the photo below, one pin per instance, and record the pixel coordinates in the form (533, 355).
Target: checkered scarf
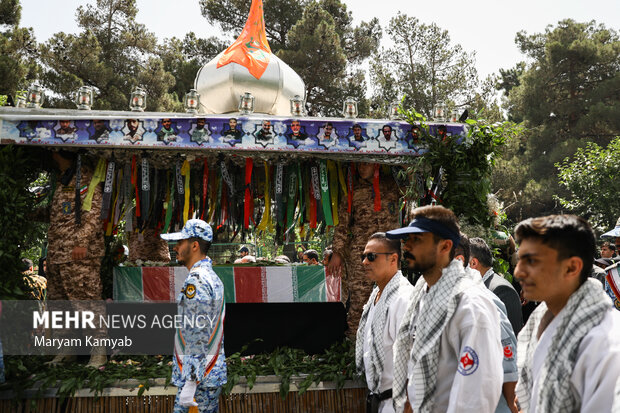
(421, 340)
(584, 310)
(377, 328)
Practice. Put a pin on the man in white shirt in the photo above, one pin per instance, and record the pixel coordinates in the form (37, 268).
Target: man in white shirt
(568, 353)
(448, 353)
(380, 319)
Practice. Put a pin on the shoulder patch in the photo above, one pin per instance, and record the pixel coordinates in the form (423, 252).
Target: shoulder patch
(468, 362)
(190, 291)
(508, 353)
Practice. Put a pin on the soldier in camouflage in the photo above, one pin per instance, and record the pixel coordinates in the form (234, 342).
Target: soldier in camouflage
(199, 367)
(353, 231)
(74, 251)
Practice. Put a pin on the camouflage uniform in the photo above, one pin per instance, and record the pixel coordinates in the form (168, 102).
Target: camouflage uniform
(351, 236)
(148, 246)
(68, 279)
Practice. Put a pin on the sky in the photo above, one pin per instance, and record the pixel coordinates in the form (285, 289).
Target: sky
(487, 27)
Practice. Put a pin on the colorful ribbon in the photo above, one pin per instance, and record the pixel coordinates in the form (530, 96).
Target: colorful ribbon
(375, 185)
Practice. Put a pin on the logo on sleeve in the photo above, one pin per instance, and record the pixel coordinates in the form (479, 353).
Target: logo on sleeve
(468, 362)
(508, 353)
(190, 291)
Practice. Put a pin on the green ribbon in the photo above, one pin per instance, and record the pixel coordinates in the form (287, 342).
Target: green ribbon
(325, 196)
(171, 181)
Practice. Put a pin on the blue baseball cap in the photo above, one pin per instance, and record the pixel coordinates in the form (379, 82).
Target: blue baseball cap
(194, 228)
(614, 232)
(421, 225)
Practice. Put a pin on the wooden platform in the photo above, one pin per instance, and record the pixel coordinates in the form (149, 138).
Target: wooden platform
(263, 397)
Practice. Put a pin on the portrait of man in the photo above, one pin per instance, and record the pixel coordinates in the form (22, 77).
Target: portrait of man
(296, 137)
(200, 134)
(386, 139)
(232, 134)
(264, 135)
(101, 131)
(167, 133)
(132, 135)
(357, 139)
(327, 136)
(65, 128)
(414, 136)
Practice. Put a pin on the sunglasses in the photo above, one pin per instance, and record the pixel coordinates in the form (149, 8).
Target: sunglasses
(372, 256)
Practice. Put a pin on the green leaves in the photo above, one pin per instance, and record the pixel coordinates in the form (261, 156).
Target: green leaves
(591, 177)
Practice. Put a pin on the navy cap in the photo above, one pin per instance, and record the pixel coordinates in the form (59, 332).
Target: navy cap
(421, 225)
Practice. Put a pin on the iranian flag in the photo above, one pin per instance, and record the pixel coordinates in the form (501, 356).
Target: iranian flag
(241, 284)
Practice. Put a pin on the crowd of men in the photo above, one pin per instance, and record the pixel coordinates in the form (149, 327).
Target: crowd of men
(453, 341)
(448, 343)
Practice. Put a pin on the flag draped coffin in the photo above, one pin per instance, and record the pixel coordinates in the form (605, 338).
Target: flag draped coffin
(241, 284)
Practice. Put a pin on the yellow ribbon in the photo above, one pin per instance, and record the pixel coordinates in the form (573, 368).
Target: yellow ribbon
(333, 189)
(185, 171)
(98, 177)
(265, 221)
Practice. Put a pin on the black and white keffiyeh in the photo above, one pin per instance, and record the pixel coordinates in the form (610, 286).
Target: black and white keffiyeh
(420, 340)
(584, 310)
(377, 355)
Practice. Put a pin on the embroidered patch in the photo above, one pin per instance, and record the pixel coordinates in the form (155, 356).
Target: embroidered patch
(508, 353)
(66, 207)
(190, 291)
(83, 189)
(468, 362)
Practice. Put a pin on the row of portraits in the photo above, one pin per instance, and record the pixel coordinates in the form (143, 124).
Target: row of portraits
(216, 133)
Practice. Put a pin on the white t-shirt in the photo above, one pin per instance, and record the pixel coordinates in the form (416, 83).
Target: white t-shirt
(470, 373)
(597, 368)
(396, 311)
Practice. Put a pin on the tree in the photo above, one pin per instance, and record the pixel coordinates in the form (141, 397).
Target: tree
(280, 15)
(424, 66)
(183, 58)
(568, 95)
(571, 88)
(592, 177)
(317, 39)
(18, 50)
(113, 54)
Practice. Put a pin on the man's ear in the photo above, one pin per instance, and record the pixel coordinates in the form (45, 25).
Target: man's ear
(573, 268)
(473, 263)
(445, 246)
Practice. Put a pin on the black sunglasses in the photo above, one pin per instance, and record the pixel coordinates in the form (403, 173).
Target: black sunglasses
(373, 255)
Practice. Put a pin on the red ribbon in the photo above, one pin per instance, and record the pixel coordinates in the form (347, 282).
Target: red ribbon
(312, 205)
(350, 188)
(375, 185)
(248, 194)
(134, 182)
(205, 184)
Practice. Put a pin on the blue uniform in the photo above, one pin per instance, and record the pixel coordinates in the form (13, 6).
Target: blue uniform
(199, 348)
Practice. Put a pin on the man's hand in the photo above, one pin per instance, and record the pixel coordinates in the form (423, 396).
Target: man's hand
(186, 398)
(78, 253)
(408, 408)
(335, 264)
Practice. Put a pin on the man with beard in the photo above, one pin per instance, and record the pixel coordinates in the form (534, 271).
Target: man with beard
(101, 132)
(232, 132)
(133, 136)
(297, 134)
(448, 354)
(199, 367)
(264, 134)
(200, 134)
(65, 128)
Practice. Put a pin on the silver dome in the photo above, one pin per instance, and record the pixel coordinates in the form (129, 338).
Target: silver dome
(220, 88)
